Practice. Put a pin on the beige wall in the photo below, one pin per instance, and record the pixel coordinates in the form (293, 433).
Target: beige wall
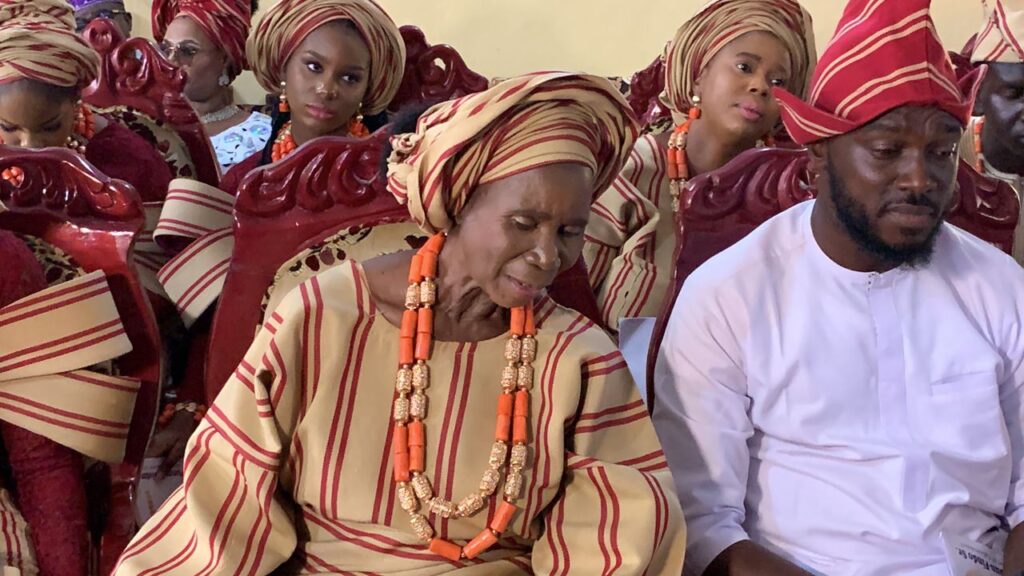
(608, 37)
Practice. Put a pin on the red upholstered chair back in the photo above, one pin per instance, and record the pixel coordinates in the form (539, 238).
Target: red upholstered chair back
(135, 79)
(721, 207)
(70, 205)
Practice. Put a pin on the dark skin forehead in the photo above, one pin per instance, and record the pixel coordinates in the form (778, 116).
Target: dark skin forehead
(1002, 74)
(912, 120)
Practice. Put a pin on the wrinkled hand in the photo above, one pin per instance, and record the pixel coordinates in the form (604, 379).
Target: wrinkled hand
(169, 442)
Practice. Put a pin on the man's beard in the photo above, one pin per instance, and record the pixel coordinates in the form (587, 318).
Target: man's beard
(854, 218)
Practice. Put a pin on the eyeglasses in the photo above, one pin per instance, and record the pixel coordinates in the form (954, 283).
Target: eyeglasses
(185, 52)
(108, 13)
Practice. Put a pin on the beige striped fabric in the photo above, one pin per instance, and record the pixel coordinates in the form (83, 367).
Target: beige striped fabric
(193, 279)
(518, 124)
(38, 42)
(46, 341)
(291, 470)
(1000, 38)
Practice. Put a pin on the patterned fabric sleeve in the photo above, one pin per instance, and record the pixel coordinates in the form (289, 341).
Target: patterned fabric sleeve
(229, 517)
(618, 513)
(619, 246)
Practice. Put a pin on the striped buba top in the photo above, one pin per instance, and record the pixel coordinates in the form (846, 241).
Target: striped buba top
(292, 468)
(630, 241)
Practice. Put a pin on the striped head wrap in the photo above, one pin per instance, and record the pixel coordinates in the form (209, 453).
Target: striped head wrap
(287, 23)
(1002, 36)
(885, 54)
(519, 124)
(226, 22)
(722, 21)
(38, 42)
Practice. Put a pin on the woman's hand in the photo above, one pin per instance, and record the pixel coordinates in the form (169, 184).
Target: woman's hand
(169, 442)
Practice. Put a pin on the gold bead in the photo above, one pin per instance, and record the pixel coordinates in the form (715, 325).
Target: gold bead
(401, 409)
(406, 498)
(418, 409)
(404, 381)
(499, 450)
(470, 504)
(428, 292)
(442, 508)
(524, 377)
(421, 486)
(518, 457)
(412, 297)
(513, 485)
(529, 352)
(513, 349)
(509, 374)
(421, 527)
(489, 483)
(420, 376)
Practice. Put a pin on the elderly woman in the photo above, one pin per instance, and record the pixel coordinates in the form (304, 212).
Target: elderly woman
(43, 68)
(719, 71)
(330, 62)
(322, 466)
(206, 39)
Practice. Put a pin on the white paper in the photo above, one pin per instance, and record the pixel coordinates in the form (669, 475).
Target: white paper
(969, 558)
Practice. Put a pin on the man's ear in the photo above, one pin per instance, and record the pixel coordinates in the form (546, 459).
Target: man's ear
(818, 152)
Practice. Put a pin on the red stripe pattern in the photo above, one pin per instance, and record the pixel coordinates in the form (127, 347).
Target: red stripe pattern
(1002, 35)
(46, 339)
(885, 54)
(630, 239)
(291, 466)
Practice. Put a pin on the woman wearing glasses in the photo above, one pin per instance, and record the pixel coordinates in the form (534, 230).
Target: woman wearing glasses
(206, 39)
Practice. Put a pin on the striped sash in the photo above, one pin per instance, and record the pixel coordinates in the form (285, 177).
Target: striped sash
(46, 341)
(194, 278)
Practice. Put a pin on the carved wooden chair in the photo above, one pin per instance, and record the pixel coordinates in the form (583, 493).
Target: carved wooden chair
(721, 207)
(141, 89)
(433, 73)
(77, 220)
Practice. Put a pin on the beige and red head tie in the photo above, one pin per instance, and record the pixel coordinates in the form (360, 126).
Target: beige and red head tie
(517, 125)
(38, 42)
(722, 21)
(287, 23)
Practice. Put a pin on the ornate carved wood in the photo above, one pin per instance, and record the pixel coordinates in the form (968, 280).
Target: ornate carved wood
(721, 207)
(134, 74)
(433, 73)
(68, 203)
(645, 89)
